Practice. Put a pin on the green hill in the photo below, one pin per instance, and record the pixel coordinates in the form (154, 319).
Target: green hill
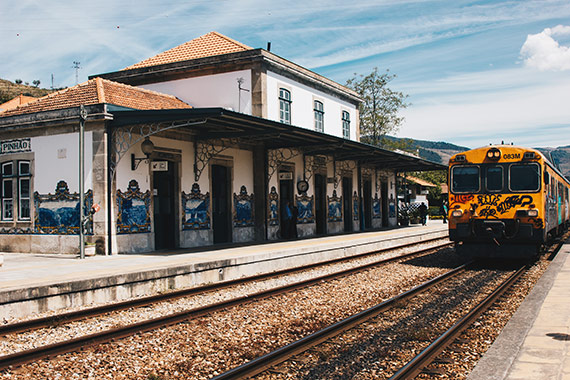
(436, 151)
(439, 151)
(560, 157)
(9, 90)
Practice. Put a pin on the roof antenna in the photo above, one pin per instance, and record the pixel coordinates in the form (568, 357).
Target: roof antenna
(76, 67)
(268, 45)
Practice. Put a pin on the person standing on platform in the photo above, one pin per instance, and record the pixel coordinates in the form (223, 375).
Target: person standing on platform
(423, 213)
(293, 221)
(443, 211)
(287, 221)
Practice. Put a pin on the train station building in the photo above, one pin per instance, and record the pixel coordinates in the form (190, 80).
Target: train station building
(201, 145)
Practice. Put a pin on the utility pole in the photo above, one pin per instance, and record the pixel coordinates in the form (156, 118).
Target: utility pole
(82, 117)
(76, 67)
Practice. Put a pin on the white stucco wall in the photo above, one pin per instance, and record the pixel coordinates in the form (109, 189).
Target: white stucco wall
(302, 106)
(243, 170)
(56, 158)
(242, 167)
(217, 90)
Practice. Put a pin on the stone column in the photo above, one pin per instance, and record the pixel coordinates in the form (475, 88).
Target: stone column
(259, 191)
(99, 180)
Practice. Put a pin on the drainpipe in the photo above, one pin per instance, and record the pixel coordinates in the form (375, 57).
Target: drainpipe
(359, 181)
(109, 190)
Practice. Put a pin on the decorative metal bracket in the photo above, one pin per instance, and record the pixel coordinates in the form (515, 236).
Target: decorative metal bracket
(125, 137)
(205, 150)
(379, 179)
(277, 156)
(308, 167)
(339, 168)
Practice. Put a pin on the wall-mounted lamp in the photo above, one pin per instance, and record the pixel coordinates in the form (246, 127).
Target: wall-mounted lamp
(147, 148)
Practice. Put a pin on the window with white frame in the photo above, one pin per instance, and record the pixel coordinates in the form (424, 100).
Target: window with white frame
(345, 124)
(284, 106)
(16, 190)
(319, 116)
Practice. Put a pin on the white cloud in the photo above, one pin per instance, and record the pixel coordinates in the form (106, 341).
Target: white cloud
(542, 51)
(532, 112)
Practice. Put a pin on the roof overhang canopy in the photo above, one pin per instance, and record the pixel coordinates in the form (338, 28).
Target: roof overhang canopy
(222, 124)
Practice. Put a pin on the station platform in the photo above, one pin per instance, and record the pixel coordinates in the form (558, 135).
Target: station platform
(535, 343)
(34, 283)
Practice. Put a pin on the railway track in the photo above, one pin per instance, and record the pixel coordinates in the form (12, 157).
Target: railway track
(306, 352)
(60, 318)
(428, 355)
(307, 349)
(269, 360)
(27, 356)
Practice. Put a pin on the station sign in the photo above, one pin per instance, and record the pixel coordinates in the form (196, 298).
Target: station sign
(159, 166)
(15, 146)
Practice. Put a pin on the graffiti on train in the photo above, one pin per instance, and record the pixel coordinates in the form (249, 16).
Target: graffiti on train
(461, 198)
(491, 206)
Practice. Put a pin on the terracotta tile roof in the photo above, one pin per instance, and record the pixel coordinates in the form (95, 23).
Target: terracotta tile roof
(17, 101)
(96, 91)
(420, 181)
(207, 45)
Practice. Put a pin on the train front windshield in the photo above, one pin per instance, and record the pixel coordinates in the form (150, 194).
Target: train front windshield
(525, 177)
(465, 179)
(485, 178)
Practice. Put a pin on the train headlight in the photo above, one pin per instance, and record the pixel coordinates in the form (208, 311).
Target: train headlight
(457, 213)
(494, 154)
(532, 213)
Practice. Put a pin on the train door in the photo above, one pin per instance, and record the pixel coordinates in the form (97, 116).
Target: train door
(384, 200)
(367, 203)
(221, 215)
(286, 194)
(347, 203)
(164, 190)
(320, 203)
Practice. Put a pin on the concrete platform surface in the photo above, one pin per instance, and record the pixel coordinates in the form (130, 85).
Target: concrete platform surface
(535, 343)
(32, 283)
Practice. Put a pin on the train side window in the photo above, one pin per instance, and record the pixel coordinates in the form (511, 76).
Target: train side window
(465, 179)
(494, 178)
(525, 177)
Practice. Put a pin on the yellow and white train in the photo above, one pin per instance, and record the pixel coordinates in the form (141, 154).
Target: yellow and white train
(505, 201)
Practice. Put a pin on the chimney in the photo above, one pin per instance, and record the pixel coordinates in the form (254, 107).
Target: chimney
(268, 45)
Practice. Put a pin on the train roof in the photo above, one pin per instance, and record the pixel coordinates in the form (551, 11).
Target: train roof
(513, 148)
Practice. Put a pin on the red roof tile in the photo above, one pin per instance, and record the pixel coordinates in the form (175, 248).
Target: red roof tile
(96, 91)
(15, 102)
(207, 45)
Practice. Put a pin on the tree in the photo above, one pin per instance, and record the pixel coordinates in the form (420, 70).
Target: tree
(36, 82)
(18, 81)
(380, 105)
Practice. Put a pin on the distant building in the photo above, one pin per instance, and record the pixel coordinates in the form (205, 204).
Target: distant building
(415, 190)
(15, 102)
(202, 144)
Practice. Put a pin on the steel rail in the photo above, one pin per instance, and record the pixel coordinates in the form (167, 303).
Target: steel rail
(27, 356)
(424, 358)
(273, 358)
(59, 319)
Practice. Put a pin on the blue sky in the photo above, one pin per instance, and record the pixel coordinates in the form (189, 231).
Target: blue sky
(476, 72)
